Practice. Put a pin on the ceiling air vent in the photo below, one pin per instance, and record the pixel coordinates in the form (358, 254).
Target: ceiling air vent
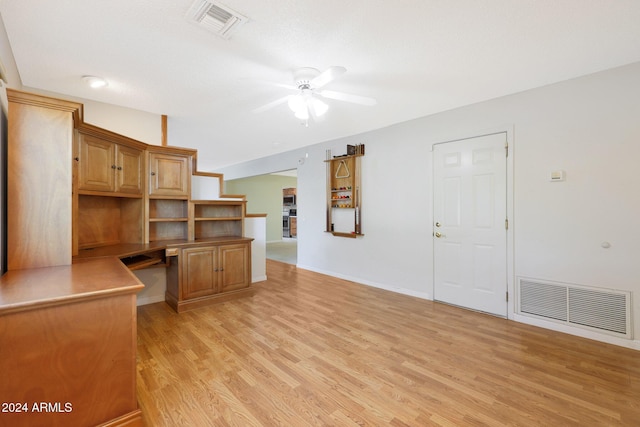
(217, 18)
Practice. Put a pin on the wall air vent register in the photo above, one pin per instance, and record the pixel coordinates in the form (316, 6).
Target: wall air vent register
(598, 309)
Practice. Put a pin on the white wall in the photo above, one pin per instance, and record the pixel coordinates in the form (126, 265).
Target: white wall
(256, 228)
(136, 124)
(588, 127)
(139, 125)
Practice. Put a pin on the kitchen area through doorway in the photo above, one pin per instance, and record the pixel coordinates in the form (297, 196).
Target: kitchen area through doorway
(275, 194)
(289, 213)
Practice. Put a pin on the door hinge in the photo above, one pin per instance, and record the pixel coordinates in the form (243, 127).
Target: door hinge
(506, 149)
(506, 224)
(507, 296)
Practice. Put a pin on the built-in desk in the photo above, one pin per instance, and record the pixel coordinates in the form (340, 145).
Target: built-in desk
(133, 255)
(68, 345)
(199, 272)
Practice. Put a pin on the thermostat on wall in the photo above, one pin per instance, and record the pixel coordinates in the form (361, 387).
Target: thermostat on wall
(556, 176)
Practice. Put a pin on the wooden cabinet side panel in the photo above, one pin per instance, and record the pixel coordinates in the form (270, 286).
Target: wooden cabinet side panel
(74, 193)
(39, 156)
(82, 354)
(173, 277)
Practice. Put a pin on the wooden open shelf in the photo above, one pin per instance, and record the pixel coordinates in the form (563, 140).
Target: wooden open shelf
(342, 234)
(344, 196)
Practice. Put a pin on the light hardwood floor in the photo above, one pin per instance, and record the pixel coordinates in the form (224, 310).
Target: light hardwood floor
(309, 349)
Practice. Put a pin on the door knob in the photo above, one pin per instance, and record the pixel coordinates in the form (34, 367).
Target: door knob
(438, 234)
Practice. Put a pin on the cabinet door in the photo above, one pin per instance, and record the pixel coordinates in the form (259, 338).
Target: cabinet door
(168, 175)
(97, 164)
(234, 267)
(129, 170)
(199, 272)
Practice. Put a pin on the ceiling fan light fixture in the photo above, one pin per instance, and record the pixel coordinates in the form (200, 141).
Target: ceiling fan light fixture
(302, 114)
(304, 102)
(308, 100)
(297, 103)
(319, 107)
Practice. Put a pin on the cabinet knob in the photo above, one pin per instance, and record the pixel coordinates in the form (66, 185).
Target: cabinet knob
(77, 159)
(153, 173)
(113, 166)
(215, 269)
(119, 168)
(221, 269)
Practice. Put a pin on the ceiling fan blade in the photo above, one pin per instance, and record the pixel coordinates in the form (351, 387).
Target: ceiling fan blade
(292, 87)
(326, 76)
(271, 105)
(341, 96)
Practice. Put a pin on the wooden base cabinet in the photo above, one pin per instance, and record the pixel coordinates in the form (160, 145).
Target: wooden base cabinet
(204, 273)
(68, 345)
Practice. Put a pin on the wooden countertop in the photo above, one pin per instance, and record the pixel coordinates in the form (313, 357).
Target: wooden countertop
(32, 288)
(123, 250)
(94, 273)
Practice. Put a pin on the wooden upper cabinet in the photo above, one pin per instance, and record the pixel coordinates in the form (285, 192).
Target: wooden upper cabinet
(169, 175)
(108, 167)
(129, 162)
(39, 178)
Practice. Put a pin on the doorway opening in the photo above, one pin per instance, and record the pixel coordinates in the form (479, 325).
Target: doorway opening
(266, 194)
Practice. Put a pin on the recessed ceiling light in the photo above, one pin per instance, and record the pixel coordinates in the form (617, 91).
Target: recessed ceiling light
(95, 82)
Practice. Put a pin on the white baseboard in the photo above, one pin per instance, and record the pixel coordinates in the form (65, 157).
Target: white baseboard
(568, 329)
(258, 279)
(403, 291)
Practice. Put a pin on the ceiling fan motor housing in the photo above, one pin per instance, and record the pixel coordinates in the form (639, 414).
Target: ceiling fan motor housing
(304, 76)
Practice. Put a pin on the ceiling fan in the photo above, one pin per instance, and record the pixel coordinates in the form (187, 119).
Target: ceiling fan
(308, 84)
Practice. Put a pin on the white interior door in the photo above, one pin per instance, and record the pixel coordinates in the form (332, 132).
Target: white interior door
(469, 230)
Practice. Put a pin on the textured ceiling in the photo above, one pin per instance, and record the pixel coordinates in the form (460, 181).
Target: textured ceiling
(416, 57)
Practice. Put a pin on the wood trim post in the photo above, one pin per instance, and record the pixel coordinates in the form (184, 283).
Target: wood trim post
(163, 125)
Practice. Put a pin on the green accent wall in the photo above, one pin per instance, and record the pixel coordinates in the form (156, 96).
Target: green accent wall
(264, 195)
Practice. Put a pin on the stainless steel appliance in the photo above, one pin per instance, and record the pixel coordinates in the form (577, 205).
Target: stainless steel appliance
(286, 223)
